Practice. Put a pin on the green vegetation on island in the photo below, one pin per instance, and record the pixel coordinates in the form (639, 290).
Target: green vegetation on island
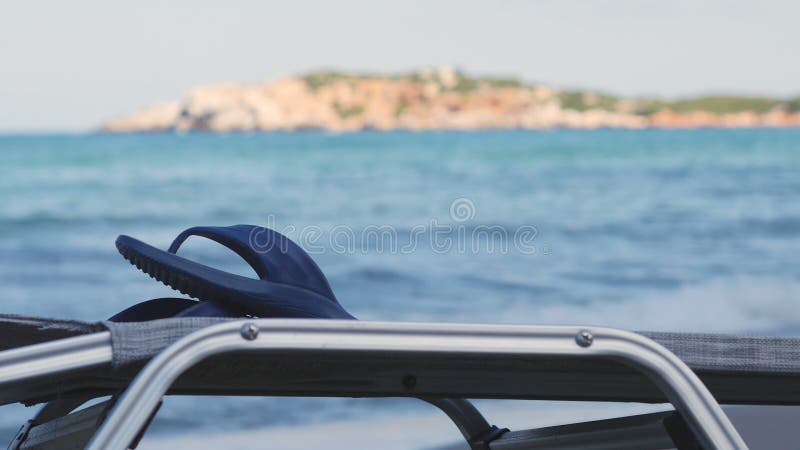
(575, 100)
(347, 112)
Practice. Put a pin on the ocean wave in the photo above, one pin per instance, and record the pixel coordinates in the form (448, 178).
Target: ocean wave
(684, 227)
(649, 280)
(508, 285)
(70, 219)
(738, 304)
(377, 275)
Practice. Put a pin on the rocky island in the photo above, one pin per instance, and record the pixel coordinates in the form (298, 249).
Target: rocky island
(437, 99)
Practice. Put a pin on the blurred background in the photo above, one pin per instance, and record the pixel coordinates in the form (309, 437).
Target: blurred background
(652, 146)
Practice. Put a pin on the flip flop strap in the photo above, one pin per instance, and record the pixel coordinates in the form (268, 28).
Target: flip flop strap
(273, 256)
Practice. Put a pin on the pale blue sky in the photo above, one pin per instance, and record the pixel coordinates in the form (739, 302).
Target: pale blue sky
(68, 65)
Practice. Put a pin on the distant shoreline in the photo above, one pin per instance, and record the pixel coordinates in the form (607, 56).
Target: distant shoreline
(438, 99)
(100, 132)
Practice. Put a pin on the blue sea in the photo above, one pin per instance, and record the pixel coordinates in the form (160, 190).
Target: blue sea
(652, 229)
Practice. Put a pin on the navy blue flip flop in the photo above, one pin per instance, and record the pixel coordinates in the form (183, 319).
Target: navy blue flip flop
(290, 283)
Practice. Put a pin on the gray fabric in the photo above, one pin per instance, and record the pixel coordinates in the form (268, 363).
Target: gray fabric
(19, 331)
(733, 353)
(135, 342)
(735, 369)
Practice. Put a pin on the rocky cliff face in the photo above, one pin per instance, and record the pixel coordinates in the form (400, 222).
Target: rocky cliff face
(436, 99)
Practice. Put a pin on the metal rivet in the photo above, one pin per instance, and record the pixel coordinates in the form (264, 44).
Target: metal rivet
(409, 381)
(249, 331)
(584, 338)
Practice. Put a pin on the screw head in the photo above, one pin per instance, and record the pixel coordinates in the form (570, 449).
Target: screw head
(409, 381)
(249, 331)
(584, 338)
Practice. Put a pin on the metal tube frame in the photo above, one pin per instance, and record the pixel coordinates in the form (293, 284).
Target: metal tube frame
(677, 381)
(681, 386)
(52, 358)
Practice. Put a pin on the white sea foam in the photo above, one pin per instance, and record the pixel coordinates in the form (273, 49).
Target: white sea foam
(740, 304)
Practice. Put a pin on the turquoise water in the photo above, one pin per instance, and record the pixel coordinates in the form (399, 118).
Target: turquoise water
(686, 230)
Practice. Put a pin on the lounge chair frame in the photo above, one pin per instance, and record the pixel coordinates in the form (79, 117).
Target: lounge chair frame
(364, 340)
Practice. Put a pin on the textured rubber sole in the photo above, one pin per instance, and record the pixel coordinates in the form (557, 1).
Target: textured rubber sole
(167, 275)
